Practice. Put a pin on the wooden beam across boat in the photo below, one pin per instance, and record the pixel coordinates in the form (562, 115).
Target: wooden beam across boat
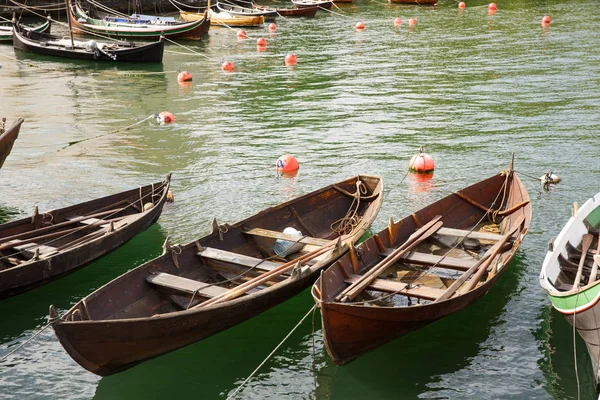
(471, 234)
(401, 288)
(432, 259)
(286, 236)
(185, 285)
(236, 258)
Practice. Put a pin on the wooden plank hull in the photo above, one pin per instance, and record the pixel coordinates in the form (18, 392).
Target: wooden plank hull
(7, 36)
(417, 2)
(32, 272)
(223, 19)
(130, 320)
(7, 140)
(325, 5)
(353, 328)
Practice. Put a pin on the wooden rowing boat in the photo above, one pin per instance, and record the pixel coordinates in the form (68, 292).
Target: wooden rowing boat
(430, 264)
(48, 245)
(292, 11)
(569, 276)
(147, 28)
(225, 19)
(113, 51)
(6, 31)
(201, 288)
(416, 2)
(240, 11)
(7, 138)
(321, 4)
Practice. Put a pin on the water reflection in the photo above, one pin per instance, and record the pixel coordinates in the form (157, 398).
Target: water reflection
(419, 182)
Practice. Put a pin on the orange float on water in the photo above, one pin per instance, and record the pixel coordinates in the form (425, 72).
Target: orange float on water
(412, 22)
(397, 22)
(261, 41)
(272, 27)
(227, 66)
(241, 34)
(462, 4)
(546, 20)
(165, 117)
(184, 76)
(360, 26)
(287, 163)
(492, 7)
(291, 59)
(421, 162)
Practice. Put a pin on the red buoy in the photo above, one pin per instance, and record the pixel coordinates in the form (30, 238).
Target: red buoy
(287, 163)
(261, 41)
(184, 76)
(227, 66)
(421, 162)
(165, 117)
(360, 26)
(397, 22)
(412, 22)
(462, 4)
(492, 7)
(546, 20)
(241, 34)
(291, 59)
(272, 27)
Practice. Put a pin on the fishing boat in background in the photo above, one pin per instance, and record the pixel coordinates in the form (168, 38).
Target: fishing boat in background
(239, 11)
(322, 4)
(7, 138)
(415, 2)
(224, 19)
(47, 245)
(569, 276)
(206, 286)
(117, 51)
(293, 11)
(428, 265)
(136, 26)
(6, 31)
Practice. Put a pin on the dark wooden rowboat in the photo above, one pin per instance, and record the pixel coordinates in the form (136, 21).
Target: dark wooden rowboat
(416, 2)
(7, 138)
(42, 43)
(322, 4)
(6, 31)
(399, 285)
(83, 23)
(46, 246)
(196, 290)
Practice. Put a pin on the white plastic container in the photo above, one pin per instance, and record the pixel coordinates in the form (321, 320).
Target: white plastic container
(284, 247)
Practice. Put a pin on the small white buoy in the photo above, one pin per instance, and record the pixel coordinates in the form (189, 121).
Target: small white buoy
(549, 178)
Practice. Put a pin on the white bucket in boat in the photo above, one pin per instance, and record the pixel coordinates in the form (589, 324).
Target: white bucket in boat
(284, 247)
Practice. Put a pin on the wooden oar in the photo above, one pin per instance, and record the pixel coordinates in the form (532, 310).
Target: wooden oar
(259, 280)
(586, 241)
(595, 266)
(420, 235)
(481, 264)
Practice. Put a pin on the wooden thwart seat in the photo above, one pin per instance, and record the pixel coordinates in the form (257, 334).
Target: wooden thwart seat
(286, 236)
(28, 249)
(91, 221)
(185, 285)
(432, 259)
(472, 235)
(235, 258)
(382, 285)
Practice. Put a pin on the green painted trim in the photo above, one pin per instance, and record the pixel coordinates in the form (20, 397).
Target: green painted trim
(568, 303)
(594, 217)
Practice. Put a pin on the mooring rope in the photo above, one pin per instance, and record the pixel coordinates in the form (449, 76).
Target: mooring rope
(575, 345)
(189, 49)
(24, 343)
(236, 391)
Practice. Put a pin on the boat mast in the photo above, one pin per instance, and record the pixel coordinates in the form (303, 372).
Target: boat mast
(68, 3)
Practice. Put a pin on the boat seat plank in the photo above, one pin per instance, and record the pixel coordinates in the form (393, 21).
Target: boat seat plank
(185, 285)
(432, 259)
(382, 285)
(29, 248)
(92, 221)
(239, 259)
(287, 236)
(472, 235)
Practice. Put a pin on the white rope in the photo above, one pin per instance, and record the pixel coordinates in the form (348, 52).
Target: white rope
(575, 345)
(24, 343)
(236, 391)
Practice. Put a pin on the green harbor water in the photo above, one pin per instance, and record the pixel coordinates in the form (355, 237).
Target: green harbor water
(471, 88)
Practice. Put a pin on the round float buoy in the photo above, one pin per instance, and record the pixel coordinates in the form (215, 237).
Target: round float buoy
(462, 4)
(286, 163)
(227, 66)
(421, 162)
(241, 34)
(261, 41)
(397, 22)
(546, 20)
(184, 76)
(291, 59)
(272, 27)
(170, 197)
(360, 26)
(550, 178)
(148, 206)
(165, 117)
(492, 7)
(412, 22)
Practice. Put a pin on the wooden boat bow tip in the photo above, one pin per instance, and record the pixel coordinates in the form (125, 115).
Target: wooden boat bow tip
(52, 315)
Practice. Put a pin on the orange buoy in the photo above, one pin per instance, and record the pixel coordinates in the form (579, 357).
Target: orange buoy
(421, 162)
(291, 59)
(184, 76)
(261, 41)
(397, 22)
(165, 117)
(546, 20)
(286, 163)
(492, 7)
(241, 34)
(412, 22)
(360, 26)
(272, 27)
(462, 4)
(227, 66)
